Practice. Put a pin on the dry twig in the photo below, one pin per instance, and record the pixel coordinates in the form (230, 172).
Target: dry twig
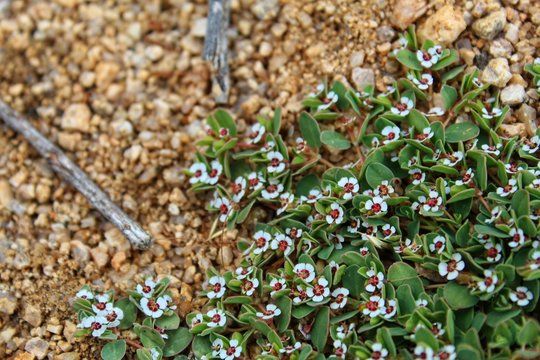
(216, 44)
(76, 177)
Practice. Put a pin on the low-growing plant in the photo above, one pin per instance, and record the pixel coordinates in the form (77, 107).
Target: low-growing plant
(145, 321)
(421, 242)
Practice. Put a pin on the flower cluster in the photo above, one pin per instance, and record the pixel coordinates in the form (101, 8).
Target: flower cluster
(422, 243)
(158, 333)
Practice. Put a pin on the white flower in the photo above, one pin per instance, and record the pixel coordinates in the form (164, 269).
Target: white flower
(477, 82)
(277, 285)
(256, 133)
(408, 244)
(238, 188)
(518, 237)
(269, 146)
(424, 82)
(453, 159)
(199, 173)
(294, 233)
(373, 306)
(434, 111)
(364, 251)
(535, 264)
(338, 240)
(450, 269)
(255, 181)
(392, 133)
(421, 303)
(512, 168)
(349, 187)
(340, 349)
(198, 319)
(224, 206)
(319, 291)
(493, 253)
(335, 215)
(270, 312)
(510, 188)
(448, 352)
(340, 298)
(289, 349)
(243, 272)
(154, 308)
(466, 178)
(438, 245)
(154, 353)
(232, 352)
(300, 295)
(168, 299)
(522, 296)
(426, 134)
(262, 240)
(148, 289)
(215, 172)
(282, 243)
(272, 190)
(276, 164)
(318, 90)
(423, 353)
(98, 324)
(85, 294)
(375, 280)
(432, 203)
(490, 114)
(384, 189)
(102, 305)
(378, 352)
(490, 281)
(418, 176)
(535, 184)
(342, 331)
(389, 310)
(305, 272)
(217, 318)
(331, 99)
(427, 58)
(377, 205)
(354, 225)
(492, 149)
(313, 196)
(300, 144)
(286, 200)
(217, 347)
(388, 230)
(249, 286)
(114, 316)
(402, 108)
(223, 132)
(531, 145)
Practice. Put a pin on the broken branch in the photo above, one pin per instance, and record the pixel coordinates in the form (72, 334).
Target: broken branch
(76, 177)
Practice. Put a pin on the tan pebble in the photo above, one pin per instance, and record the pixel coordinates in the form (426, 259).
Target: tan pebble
(32, 315)
(118, 260)
(406, 12)
(6, 196)
(444, 26)
(25, 356)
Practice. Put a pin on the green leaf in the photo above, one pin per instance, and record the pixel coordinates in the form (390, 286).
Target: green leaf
(400, 273)
(452, 73)
(115, 350)
(449, 95)
(335, 140)
(408, 58)
(418, 120)
(151, 338)
(458, 297)
(276, 122)
(310, 130)
(244, 212)
(177, 342)
(521, 203)
(144, 354)
(201, 346)
(424, 335)
(462, 195)
(461, 132)
(319, 333)
(284, 303)
(377, 173)
(225, 120)
(451, 57)
(497, 317)
(130, 313)
(169, 322)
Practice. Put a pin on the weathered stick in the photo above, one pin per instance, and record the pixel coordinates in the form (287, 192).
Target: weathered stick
(76, 177)
(216, 44)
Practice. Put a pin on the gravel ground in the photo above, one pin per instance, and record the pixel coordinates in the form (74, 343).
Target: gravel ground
(121, 87)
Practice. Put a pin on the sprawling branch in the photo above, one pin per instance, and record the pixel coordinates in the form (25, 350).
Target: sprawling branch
(76, 177)
(216, 44)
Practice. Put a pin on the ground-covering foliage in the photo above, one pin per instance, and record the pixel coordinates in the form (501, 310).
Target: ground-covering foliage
(425, 246)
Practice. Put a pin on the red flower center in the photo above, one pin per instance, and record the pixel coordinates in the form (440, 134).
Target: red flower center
(376, 207)
(95, 326)
(274, 162)
(349, 187)
(452, 265)
(387, 232)
(340, 298)
(261, 242)
(508, 188)
(334, 213)
(426, 56)
(223, 132)
(101, 306)
(198, 173)
(217, 288)
(439, 244)
(224, 209)
(111, 317)
(374, 280)
(283, 245)
(376, 355)
(492, 252)
(372, 305)
(488, 281)
(254, 182)
(277, 286)
(271, 188)
(444, 355)
(318, 290)
(153, 306)
(392, 135)
(389, 309)
(432, 202)
(400, 107)
(417, 176)
(216, 318)
(521, 295)
(303, 274)
(236, 188)
(213, 173)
